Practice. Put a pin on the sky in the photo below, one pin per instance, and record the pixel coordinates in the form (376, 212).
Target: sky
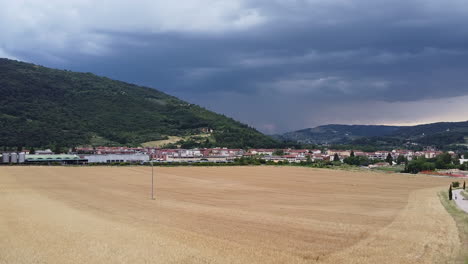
(277, 65)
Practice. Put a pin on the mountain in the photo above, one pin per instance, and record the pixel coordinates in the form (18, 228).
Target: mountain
(335, 134)
(43, 107)
(436, 134)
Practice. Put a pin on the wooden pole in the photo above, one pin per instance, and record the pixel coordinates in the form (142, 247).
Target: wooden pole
(152, 181)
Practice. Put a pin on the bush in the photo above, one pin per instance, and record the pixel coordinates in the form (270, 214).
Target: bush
(420, 164)
(455, 184)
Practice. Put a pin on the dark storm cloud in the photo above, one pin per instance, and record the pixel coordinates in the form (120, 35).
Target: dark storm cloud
(268, 62)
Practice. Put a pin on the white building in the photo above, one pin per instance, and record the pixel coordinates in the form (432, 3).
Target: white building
(13, 157)
(45, 152)
(111, 158)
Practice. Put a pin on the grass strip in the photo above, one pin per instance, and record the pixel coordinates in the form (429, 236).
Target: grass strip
(461, 219)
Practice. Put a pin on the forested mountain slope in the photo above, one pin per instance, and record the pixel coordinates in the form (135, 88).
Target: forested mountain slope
(41, 107)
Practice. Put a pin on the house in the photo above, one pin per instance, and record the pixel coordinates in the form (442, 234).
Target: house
(341, 153)
(45, 152)
(315, 151)
(297, 152)
(267, 152)
(315, 157)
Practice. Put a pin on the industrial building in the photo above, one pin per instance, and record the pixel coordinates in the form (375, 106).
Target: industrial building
(113, 158)
(61, 158)
(13, 157)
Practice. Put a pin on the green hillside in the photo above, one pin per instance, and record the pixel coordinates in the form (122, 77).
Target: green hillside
(43, 107)
(441, 135)
(335, 134)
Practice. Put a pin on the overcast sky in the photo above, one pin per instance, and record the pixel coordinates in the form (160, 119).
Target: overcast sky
(278, 65)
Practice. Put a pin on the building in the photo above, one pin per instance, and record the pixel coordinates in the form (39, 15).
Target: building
(341, 153)
(297, 152)
(45, 152)
(13, 157)
(215, 159)
(112, 158)
(267, 152)
(315, 151)
(48, 158)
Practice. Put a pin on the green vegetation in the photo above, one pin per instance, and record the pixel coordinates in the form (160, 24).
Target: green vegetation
(278, 152)
(336, 134)
(446, 136)
(401, 160)
(443, 161)
(394, 169)
(461, 219)
(43, 107)
(336, 157)
(357, 160)
(389, 159)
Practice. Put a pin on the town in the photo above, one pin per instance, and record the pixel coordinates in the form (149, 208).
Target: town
(141, 155)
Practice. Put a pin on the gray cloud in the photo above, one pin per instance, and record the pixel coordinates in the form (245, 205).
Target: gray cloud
(275, 64)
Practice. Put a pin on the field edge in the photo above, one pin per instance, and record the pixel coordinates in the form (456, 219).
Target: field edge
(461, 220)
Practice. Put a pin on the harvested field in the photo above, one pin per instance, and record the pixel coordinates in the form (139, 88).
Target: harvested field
(221, 215)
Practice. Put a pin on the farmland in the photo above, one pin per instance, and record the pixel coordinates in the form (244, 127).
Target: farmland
(221, 215)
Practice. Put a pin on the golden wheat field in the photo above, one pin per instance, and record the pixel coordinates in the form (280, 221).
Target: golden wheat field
(221, 215)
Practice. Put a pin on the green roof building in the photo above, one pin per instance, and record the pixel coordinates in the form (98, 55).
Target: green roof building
(61, 158)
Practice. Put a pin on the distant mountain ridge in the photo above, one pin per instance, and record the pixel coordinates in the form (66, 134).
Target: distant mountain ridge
(334, 133)
(442, 133)
(44, 107)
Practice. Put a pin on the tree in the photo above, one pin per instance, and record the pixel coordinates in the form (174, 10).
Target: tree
(463, 166)
(278, 152)
(464, 185)
(336, 157)
(308, 159)
(443, 161)
(389, 159)
(57, 149)
(352, 153)
(32, 151)
(450, 192)
(420, 164)
(401, 159)
(357, 161)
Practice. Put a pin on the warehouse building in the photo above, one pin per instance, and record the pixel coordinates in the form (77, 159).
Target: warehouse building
(61, 158)
(113, 158)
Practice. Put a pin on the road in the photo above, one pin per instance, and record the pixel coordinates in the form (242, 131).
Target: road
(461, 202)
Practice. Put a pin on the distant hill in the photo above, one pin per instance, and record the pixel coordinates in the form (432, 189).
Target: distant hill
(43, 107)
(334, 134)
(436, 134)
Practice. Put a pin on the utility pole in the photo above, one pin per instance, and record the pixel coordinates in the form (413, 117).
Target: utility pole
(152, 181)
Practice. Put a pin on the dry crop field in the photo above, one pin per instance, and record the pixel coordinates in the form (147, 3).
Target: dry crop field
(221, 215)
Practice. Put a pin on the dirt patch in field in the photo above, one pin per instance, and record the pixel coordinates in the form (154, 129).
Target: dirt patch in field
(174, 139)
(221, 215)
